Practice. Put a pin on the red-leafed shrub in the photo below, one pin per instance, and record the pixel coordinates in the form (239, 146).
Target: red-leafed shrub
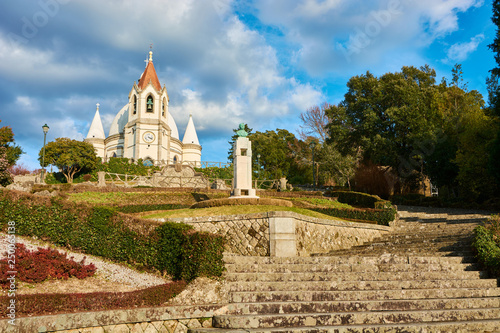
(19, 169)
(44, 304)
(43, 264)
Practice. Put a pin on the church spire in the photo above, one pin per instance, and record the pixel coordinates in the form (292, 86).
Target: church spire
(190, 135)
(149, 75)
(96, 130)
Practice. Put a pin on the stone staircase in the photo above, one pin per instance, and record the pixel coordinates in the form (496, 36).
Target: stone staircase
(420, 278)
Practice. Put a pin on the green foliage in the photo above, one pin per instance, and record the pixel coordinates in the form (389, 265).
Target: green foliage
(376, 209)
(5, 176)
(170, 248)
(242, 201)
(104, 232)
(70, 156)
(356, 198)
(276, 160)
(132, 209)
(379, 216)
(12, 151)
(124, 166)
(216, 172)
(385, 117)
(486, 244)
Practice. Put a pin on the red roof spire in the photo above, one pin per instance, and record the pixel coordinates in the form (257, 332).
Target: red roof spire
(149, 75)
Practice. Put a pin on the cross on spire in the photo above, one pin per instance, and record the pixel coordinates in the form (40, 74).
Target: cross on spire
(98, 106)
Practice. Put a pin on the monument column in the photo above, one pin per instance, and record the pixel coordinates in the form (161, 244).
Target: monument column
(242, 162)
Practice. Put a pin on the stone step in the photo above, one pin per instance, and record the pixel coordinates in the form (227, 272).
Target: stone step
(353, 318)
(321, 260)
(352, 306)
(355, 276)
(330, 268)
(475, 326)
(358, 295)
(360, 285)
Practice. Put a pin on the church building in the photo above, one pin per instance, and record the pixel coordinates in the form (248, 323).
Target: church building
(145, 129)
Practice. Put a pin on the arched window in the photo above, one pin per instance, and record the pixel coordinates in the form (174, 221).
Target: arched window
(163, 107)
(134, 110)
(175, 159)
(149, 104)
(148, 162)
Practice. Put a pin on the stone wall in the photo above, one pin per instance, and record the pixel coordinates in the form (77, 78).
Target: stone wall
(322, 236)
(144, 320)
(291, 234)
(246, 235)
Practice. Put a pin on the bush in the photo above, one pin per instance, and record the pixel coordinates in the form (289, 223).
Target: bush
(357, 198)
(379, 216)
(40, 304)
(486, 245)
(242, 201)
(38, 266)
(104, 232)
(131, 209)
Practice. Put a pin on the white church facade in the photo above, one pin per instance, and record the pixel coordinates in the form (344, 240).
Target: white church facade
(145, 129)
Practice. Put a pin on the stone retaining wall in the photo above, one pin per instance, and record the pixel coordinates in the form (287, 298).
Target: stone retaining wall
(144, 320)
(290, 234)
(246, 235)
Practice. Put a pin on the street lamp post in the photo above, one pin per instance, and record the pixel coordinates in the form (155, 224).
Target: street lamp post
(258, 171)
(45, 129)
(313, 146)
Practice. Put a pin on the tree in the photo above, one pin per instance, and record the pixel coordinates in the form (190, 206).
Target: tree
(233, 140)
(12, 151)
(275, 156)
(494, 95)
(314, 123)
(389, 119)
(5, 175)
(70, 156)
(334, 165)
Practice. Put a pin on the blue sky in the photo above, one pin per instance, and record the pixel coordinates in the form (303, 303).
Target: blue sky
(256, 61)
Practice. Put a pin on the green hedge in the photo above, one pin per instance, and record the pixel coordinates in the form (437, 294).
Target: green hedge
(131, 209)
(487, 250)
(104, 232)
(356, 198)
(376, 209)
(379, 216)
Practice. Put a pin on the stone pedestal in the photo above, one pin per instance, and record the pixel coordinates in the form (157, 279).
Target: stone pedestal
(242, 161)
(101, 179)
(282, 239)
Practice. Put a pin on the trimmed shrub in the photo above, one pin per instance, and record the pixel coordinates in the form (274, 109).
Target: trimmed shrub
(378, 216)
(104, 232)
(40, 304)
(131, 209)
(358, 199)
(242, 201)
(43, 264)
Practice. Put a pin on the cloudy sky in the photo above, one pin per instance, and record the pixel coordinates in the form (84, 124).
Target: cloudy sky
(262, 62)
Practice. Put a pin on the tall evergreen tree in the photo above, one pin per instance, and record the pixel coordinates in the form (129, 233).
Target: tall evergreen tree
(494, 94)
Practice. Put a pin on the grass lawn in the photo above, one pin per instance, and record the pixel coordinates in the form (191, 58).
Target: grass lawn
(136, 198)
(233, 210)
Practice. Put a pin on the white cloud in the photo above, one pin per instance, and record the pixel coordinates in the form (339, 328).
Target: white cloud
(353, 34)
(460, 51)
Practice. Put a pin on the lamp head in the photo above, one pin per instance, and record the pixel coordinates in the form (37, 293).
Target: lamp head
(45, 128)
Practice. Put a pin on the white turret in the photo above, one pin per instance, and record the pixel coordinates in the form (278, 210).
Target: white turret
(96, 130)
(190, 133)
(96, 134)
(191, 145)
